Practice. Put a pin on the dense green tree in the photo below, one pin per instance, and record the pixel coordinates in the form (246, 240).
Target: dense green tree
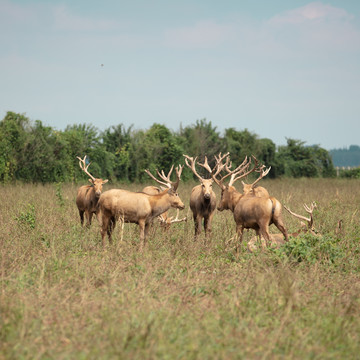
(13, 134)
(244, 143)
(308, 161)
(200, 139)
(156, 148)
(83, 139)
(117, 141)
(42, 159)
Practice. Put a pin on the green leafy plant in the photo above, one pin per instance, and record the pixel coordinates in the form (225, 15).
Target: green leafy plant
(59, 194)
(27, 217)
(310, 248)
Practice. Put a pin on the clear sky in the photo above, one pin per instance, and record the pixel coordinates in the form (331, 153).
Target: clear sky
(280, 68)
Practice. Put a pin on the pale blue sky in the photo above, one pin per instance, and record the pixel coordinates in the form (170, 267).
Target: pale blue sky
(278, 68)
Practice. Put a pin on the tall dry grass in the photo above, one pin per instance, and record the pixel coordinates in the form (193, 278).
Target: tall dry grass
(62, 296)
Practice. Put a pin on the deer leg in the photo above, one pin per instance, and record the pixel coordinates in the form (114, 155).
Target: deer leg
(90, 217)
(87, 216)
(104, 229)
(280, 225)
(264, 231)
(142, 232)
(239, 235)
(207, 224)
(81, 213)
(111, 228)
(197, 220)
(146, 231)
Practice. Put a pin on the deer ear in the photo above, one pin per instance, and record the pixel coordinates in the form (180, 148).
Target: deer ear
(105, 181)
(91, 181)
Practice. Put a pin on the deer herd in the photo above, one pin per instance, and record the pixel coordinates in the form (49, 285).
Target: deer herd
(254, 208)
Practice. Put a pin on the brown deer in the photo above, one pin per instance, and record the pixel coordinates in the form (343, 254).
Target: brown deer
(88, 195)
(249, 211)
(202, 199)
(136, 207)
(277, 240)
(259, 191)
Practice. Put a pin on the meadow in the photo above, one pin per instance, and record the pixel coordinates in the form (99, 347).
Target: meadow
(63, 296)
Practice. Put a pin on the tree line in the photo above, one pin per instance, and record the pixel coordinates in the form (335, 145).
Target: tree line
(33, 152)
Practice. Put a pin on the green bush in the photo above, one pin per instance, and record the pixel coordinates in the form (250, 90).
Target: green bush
(310, 248)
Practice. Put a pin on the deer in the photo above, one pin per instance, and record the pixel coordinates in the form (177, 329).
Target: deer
(202, 199)
(249, 211)
(259, 191)
(88, 195)
(164, 219)
(136, 207)
(276, 240)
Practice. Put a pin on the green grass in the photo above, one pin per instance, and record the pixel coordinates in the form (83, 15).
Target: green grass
(62, 296)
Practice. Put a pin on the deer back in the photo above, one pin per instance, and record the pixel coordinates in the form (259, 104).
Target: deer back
(258, 191)
(252, 210)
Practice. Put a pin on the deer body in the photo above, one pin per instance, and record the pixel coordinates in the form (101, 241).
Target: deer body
(259, 191)
(202, 205)
(250, 212)
(132, 207)
(202, 198)
(88, 195)
(277, 240)
(138, 207)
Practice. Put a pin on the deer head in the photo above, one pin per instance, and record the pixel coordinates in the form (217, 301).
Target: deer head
(96, 183)
(309, 220)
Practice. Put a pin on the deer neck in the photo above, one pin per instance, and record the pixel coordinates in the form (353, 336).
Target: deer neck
(234, 197)
(160, 203)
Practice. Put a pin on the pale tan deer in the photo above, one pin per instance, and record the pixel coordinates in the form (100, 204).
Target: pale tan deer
(136, 207)
(276, 240)
(202, 199)
(249, 211)
(88, 195)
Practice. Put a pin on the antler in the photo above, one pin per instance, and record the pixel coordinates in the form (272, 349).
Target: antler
(171, 220)
(309, 210)
(262, 174)
(241, 171)
(216, 169)
(192, 165)
(167, 182)
(84, 168)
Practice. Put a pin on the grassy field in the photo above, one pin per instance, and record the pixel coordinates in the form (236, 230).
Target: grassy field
(62, 296)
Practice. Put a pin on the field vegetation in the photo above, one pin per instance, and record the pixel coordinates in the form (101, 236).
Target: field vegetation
(63, 296)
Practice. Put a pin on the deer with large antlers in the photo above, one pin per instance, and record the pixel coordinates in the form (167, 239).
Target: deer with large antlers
(88, 195)
(249, 211)
(259, 191)
(137, 207)
(202, 198)
(164, 219)
(277, 240)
